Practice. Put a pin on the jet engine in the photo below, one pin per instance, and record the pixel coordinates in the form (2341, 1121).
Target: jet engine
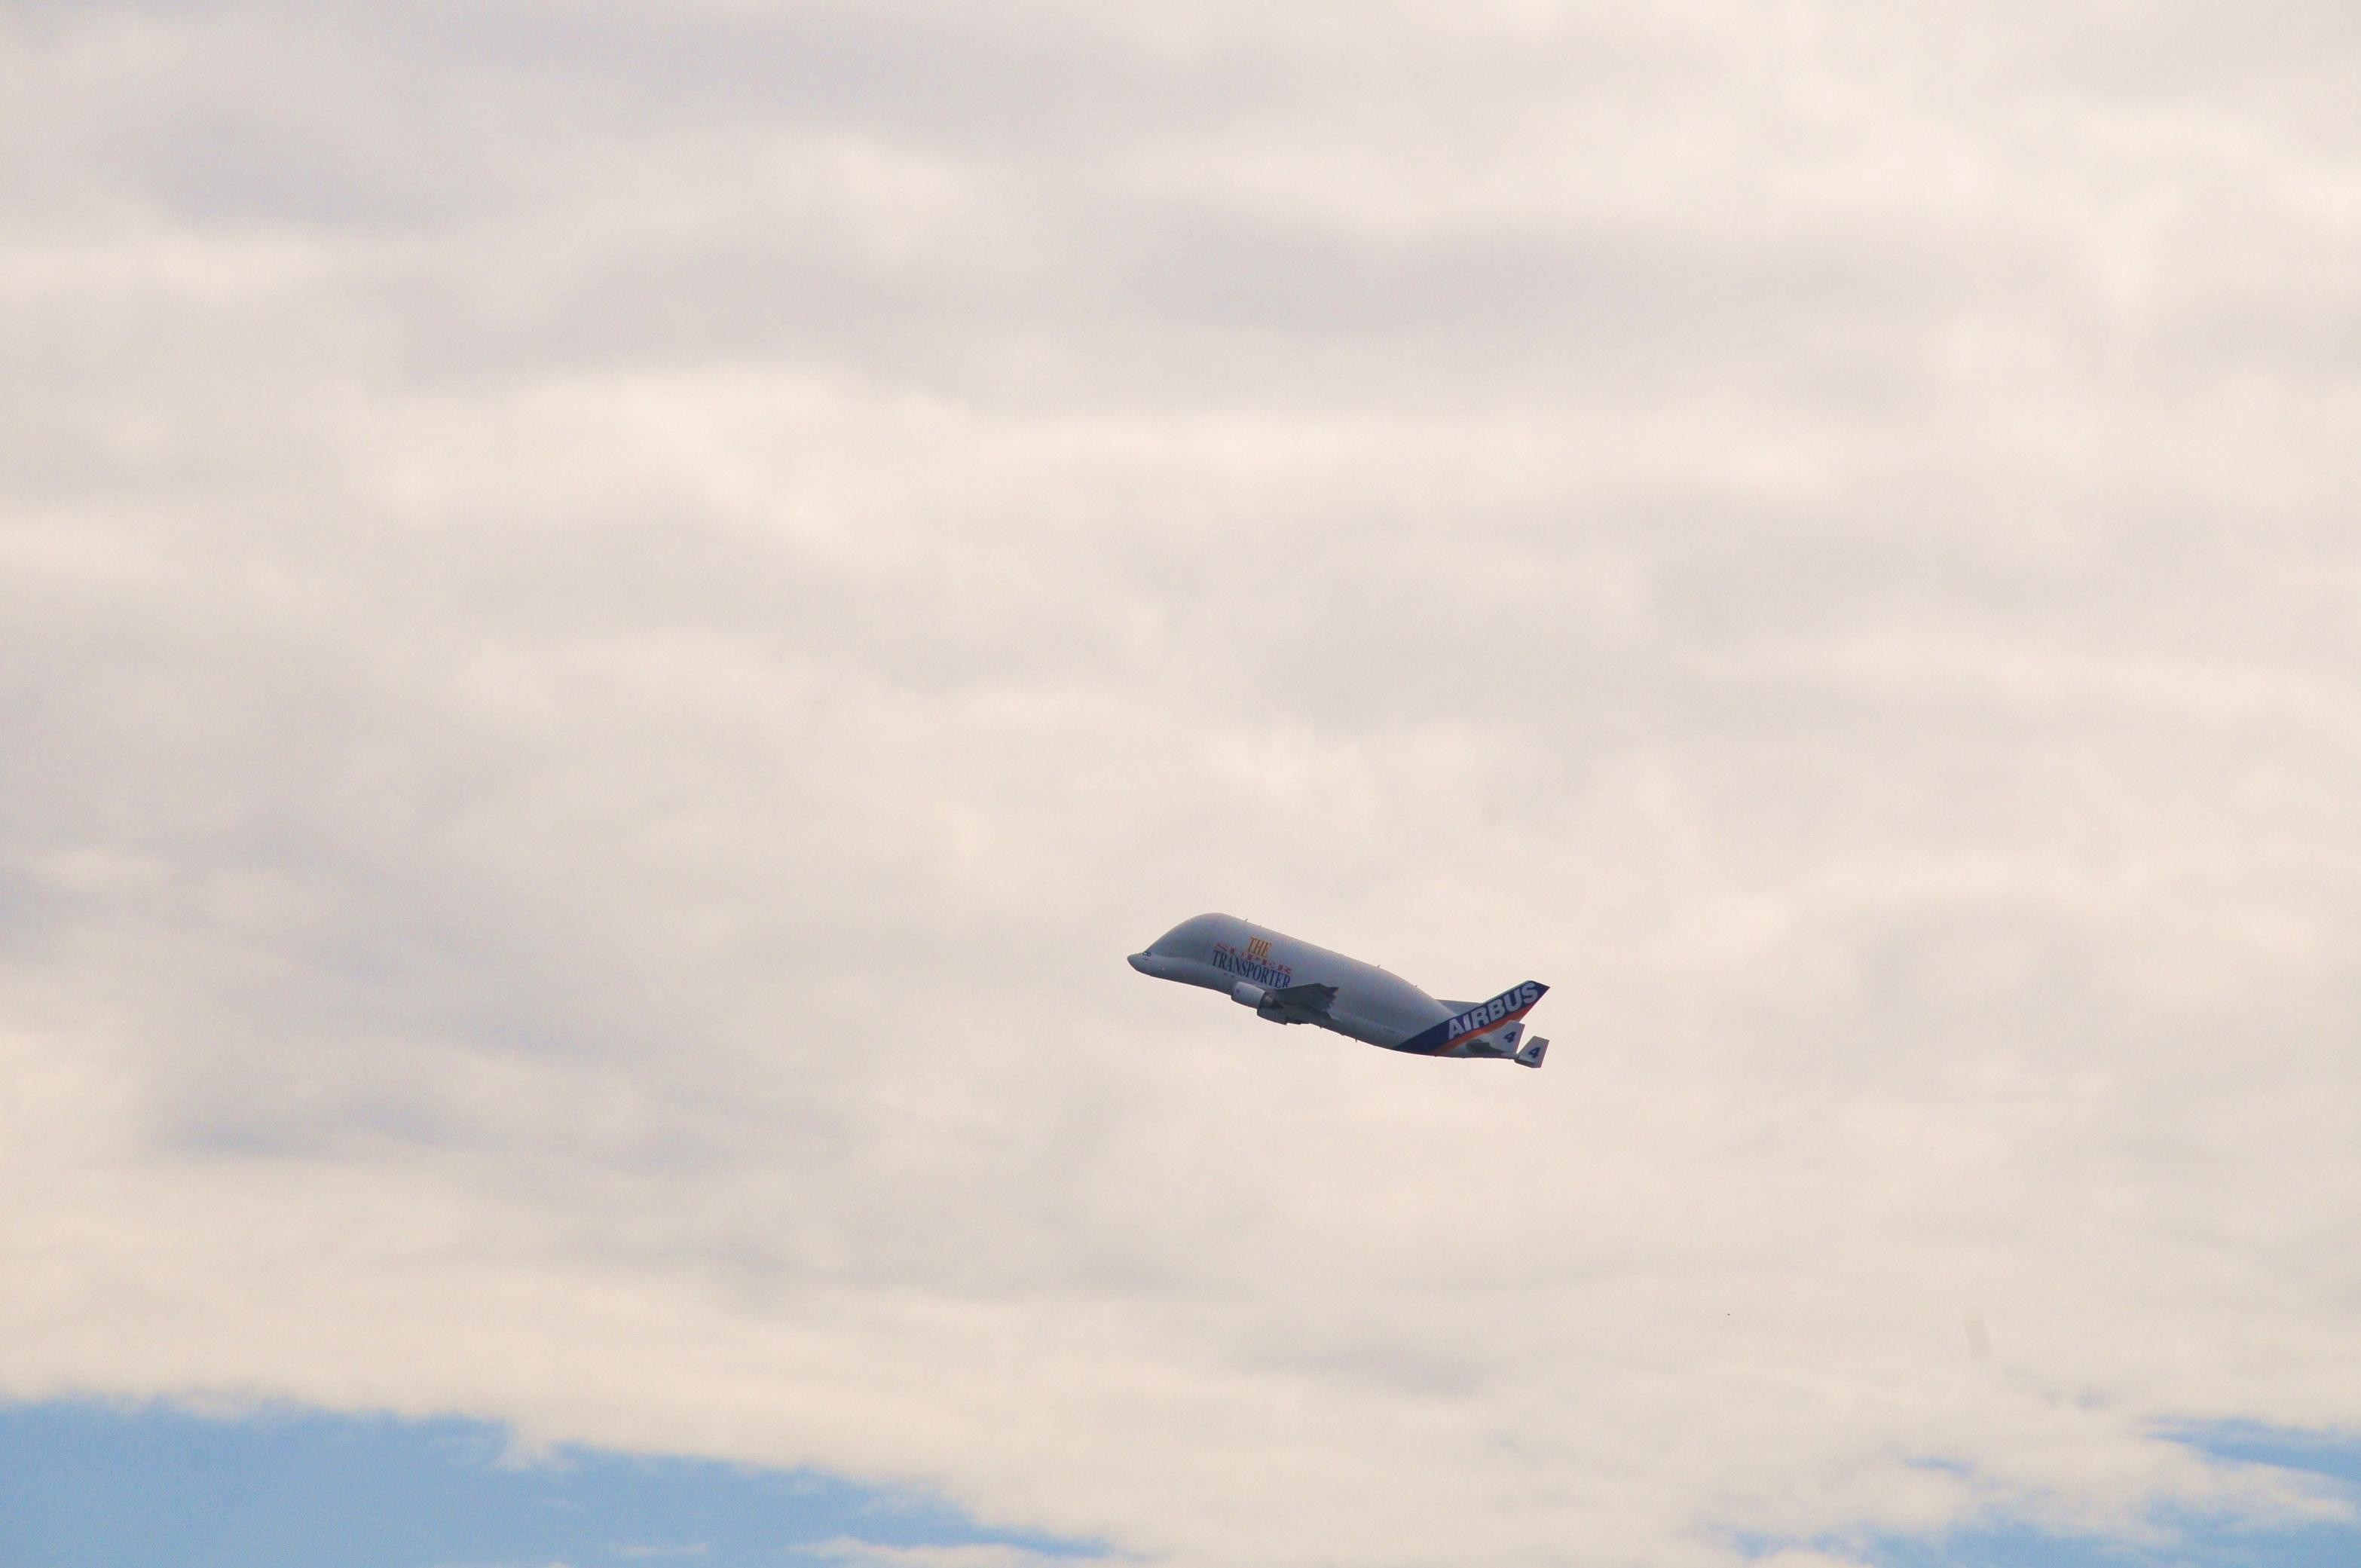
(1265, 1004)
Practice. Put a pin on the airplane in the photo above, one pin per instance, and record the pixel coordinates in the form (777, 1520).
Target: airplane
(1288, 982)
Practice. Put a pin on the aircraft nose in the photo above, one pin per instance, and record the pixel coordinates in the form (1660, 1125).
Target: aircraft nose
(1138, 962)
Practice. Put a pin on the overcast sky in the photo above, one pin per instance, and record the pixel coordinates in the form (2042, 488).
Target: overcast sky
(611, 621)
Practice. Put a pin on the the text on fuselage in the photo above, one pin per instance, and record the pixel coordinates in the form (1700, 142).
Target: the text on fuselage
(1251, 965)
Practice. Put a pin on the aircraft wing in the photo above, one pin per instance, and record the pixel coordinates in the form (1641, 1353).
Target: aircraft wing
(1301, 1004)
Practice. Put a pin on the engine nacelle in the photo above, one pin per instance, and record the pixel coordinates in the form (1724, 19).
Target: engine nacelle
(1249, 995)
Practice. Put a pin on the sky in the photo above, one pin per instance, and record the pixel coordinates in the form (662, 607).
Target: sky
(155, 1486)
(612, 618)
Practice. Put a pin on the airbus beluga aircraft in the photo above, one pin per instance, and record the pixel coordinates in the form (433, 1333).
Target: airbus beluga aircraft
(1288, 981)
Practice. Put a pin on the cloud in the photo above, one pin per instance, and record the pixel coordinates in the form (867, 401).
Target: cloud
(614, 623)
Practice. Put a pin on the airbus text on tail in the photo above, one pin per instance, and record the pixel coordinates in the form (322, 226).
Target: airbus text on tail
(1288, 982)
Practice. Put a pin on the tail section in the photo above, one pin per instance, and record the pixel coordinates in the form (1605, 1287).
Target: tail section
(1535, 1049)
(1465, 1027)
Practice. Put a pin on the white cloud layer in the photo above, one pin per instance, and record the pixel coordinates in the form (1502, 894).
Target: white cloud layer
(613, 622)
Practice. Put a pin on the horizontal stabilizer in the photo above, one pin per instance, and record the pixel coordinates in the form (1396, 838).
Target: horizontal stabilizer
(1535, 1049)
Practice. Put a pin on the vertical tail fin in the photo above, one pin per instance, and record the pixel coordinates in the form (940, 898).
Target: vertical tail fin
(1482, 1019)
(1535, 1049)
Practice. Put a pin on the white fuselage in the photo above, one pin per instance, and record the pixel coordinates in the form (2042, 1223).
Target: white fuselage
(1223, 953)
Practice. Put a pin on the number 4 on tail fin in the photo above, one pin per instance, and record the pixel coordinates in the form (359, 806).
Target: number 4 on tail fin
(1534, 1050)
